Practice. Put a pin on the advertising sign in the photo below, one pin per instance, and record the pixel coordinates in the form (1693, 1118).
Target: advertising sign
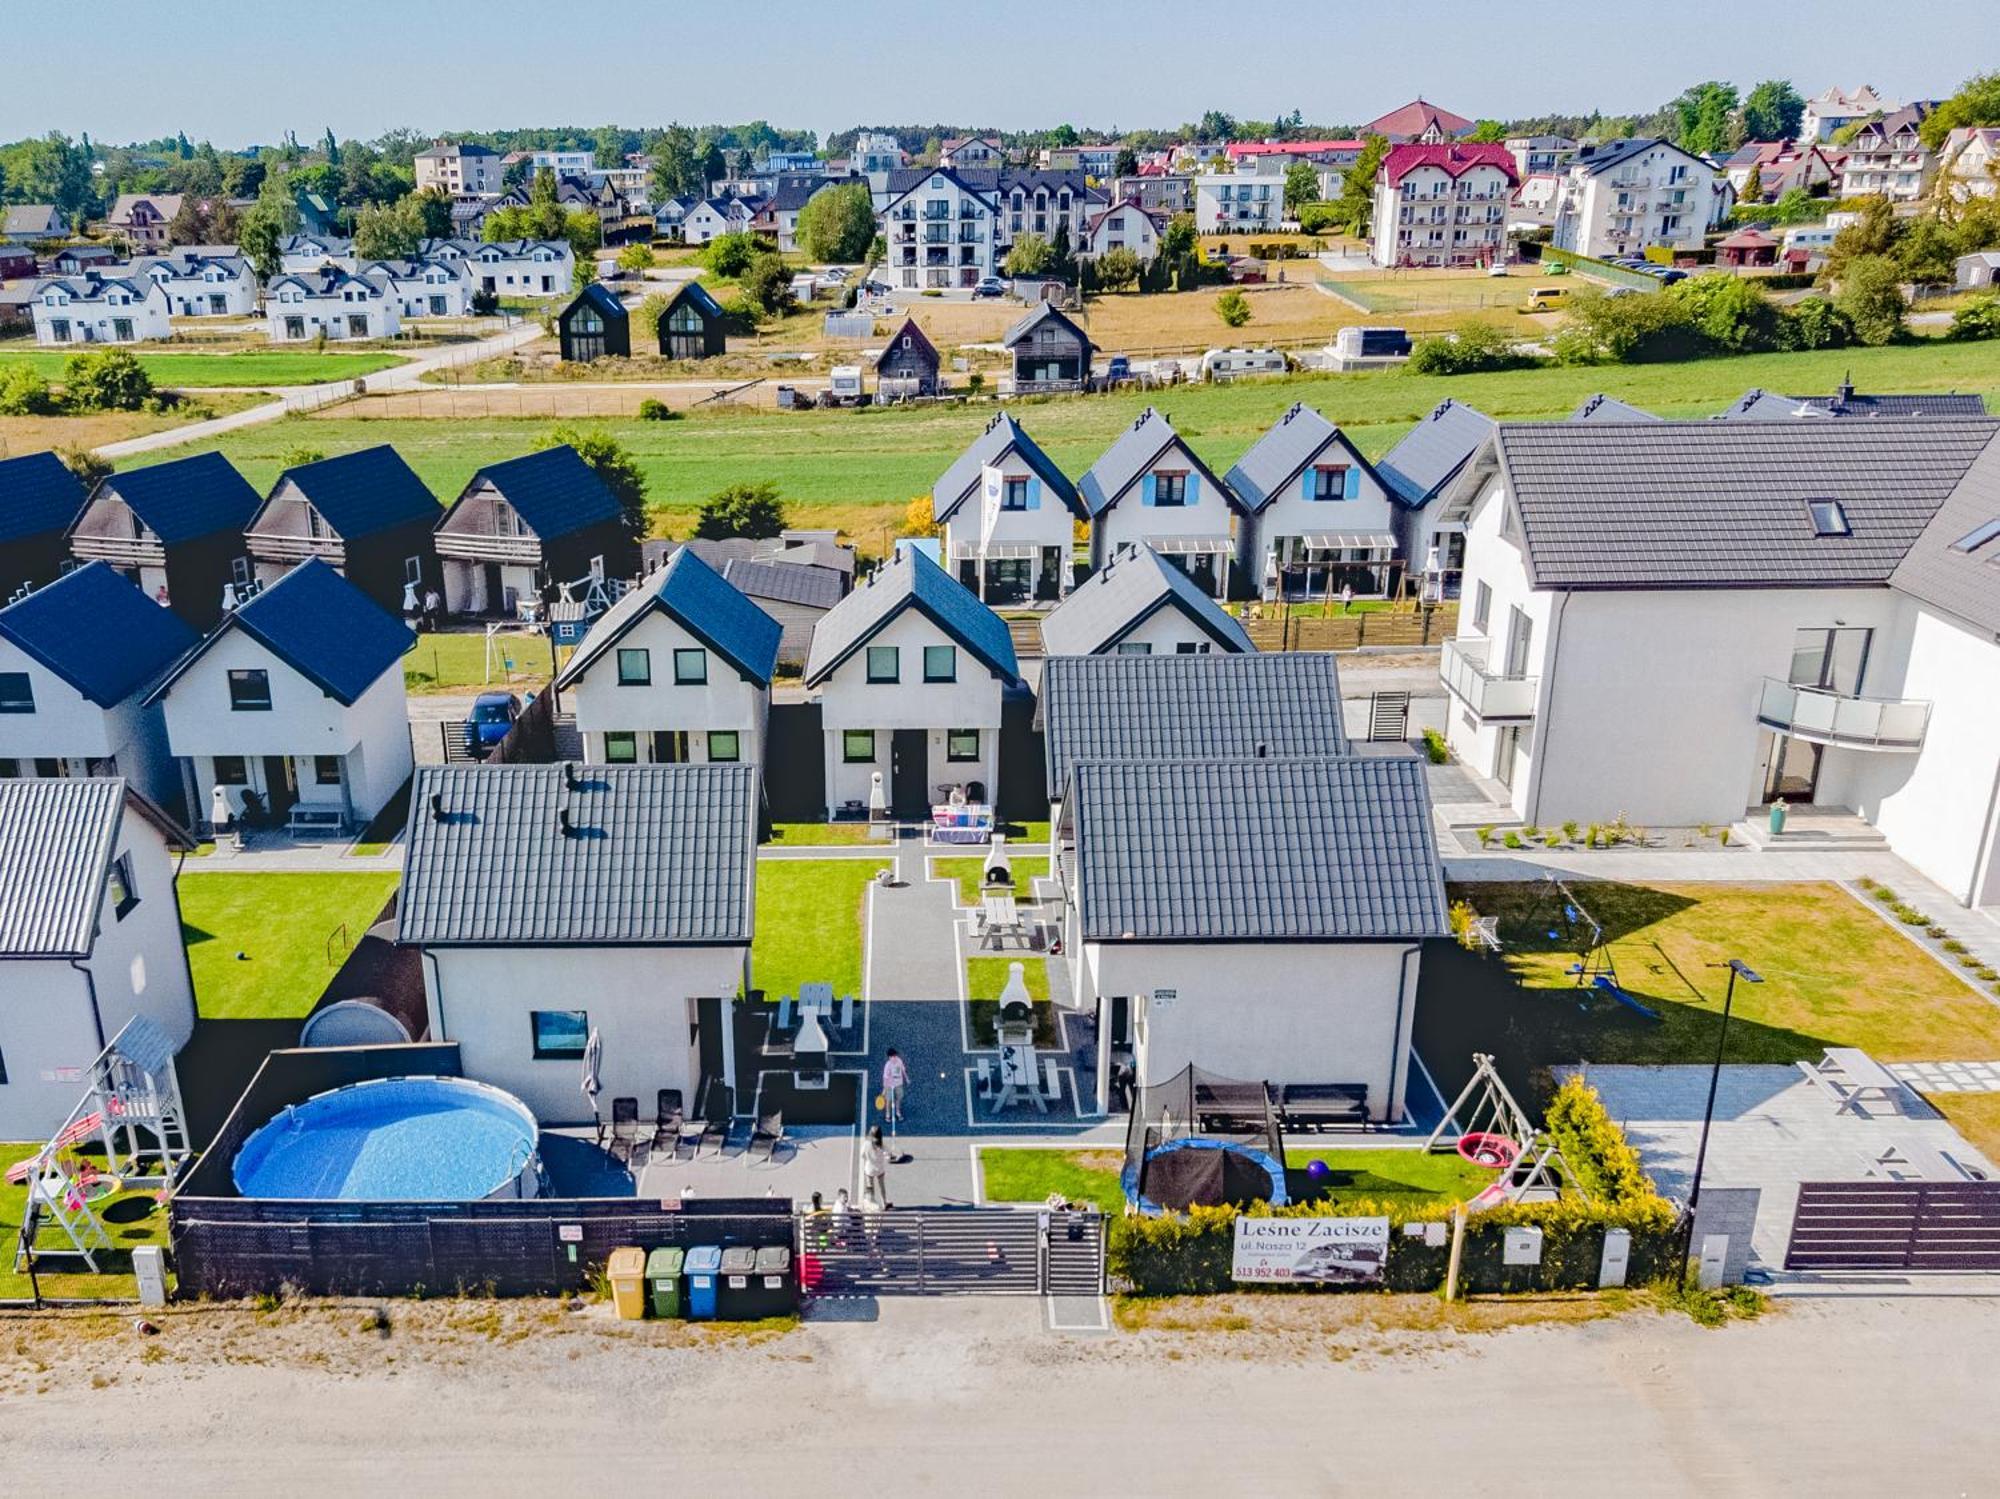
(1339, 1251)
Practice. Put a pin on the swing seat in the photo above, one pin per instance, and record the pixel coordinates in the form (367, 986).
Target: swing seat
(1493, 1151)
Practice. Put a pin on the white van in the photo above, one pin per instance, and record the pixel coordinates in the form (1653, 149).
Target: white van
(1228, 364)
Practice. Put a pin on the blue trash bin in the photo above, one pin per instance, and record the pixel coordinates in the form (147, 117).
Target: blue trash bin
(702, 1268)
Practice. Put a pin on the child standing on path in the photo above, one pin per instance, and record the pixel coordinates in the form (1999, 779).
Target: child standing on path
(874, 1170)
(895, 1078)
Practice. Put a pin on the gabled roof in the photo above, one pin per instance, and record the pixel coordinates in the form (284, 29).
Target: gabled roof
(981, 183)
(1415, 118)
(1955, 564)
(38, 494)
(1002, 435)
(1594, 160)
(57, 839)
(602, 299)
(1281, 454)
(1138, 447)
(166, 205)
(1603, 408)
(1702, 504)
(912, 581)
(652, 856)
(91, 286)
(1454, 159)
(808, 586)
(1432, 453)
(320, 625)
(30, 218)
(1874, 134)
(1844, 404)
(1328, 849)
(695, 292)
(912, 331)
(1124, 594)
(554, 491)
(696, 597)
(186, 499)
(95, 629)
(1188, 708)
(326, 281)
(792, 193)
(360, 493)
(1042, 313)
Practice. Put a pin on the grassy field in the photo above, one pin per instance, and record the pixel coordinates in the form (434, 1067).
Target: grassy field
(1406, 1177)
(203, 371)
(455, 661)
(1975, 1116)
(810, 917)
(36, 434)
(821, 834)
(864, 466)
(283, 925)
(1835, 974)
(130, 1218)
(969, 872)
(1460, 292)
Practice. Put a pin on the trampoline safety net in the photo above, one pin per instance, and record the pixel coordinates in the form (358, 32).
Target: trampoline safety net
(1222, 1112)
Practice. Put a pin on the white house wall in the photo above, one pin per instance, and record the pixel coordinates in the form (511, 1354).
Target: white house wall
(67, 726)
(641, 1002)
(1050, 524)
(1165, 631)
(725, 701)
(1130, 521)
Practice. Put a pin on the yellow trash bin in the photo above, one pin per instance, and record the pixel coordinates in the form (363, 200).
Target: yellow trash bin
(626, 1270)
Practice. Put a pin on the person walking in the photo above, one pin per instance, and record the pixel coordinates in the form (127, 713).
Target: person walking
(895, 1079)
(874, 1170)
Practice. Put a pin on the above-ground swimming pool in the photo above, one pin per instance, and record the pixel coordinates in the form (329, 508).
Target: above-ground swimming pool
(396, 1139)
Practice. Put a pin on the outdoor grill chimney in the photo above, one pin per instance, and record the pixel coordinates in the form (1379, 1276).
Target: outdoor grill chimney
(437, 806)
(1263, 751)
(563, 822)
(569, 775)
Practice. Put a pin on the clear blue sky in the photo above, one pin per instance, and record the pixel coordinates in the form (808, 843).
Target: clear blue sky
(240, 72)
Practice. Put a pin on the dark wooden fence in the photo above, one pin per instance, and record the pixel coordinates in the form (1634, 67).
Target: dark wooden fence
(1896, 1226)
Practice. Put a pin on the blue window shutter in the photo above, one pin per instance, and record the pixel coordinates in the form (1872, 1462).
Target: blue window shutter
(1034, 494)
(1146, 491)
(1193, 489)
(1309, 485)
(1351, 489)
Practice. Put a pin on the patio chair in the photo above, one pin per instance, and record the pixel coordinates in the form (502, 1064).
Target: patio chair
(667, 1123)
(768, 1132)
(624, 1129)
(716, 1117)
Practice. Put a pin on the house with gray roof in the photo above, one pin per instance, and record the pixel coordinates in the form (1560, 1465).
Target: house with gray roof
(90, 937)
(797, 595)
(1417, 469)
(1007, 517)
(1051, 353)
(910, 671)
(1260, 917)
(1685, 622)
(557, 904)
(1845, 405)
(293, 707)
(1317, 518)
(203, 282)
(1151, 487)
(677, 672)
(78, 659)
(1603, 408)
(25, 223)
(1213, 707)
(101, 306)
(1141, 605)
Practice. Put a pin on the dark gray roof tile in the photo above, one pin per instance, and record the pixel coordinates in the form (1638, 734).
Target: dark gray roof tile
(1118, 597)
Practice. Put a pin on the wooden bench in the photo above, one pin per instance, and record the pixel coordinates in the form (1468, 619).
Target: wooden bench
(309, 819)
(1316, 1105)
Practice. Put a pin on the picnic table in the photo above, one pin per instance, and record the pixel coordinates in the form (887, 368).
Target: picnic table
(1854, 1078)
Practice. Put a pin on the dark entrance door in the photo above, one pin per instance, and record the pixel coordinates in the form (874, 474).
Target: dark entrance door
(708, 1037)
(1794, 773)
(496, 602)
(909, 774)
(278, 785)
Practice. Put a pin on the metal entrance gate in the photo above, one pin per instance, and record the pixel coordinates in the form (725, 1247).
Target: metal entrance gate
(953, 1252)
(1896, 1226)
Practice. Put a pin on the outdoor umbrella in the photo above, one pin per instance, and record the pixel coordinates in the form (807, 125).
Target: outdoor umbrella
(593, 1068)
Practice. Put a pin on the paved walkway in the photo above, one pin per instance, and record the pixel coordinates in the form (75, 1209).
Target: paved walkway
(1949, 1077)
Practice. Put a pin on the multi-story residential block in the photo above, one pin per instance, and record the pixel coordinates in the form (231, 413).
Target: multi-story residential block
(1044, 203)
(1624, 196)
(96, 308)
(972, 152)
(1826, 114)
(1887, 158)
(942, 226)
(1541, 155)
(1250, 202)
(1443, 204)
(330, 303)
(203, 285)
(877, 153)
(1970, 162)
(1160, 192)
(464, 170)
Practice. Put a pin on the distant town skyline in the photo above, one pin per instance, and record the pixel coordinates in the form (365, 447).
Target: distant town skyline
(452, 66)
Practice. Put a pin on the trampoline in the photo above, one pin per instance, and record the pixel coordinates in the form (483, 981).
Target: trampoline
(1198, 1139)
(397, 1139)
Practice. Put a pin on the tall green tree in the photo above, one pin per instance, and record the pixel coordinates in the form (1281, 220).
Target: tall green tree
(1705, 119)
(389, 231)
(434, 207)
(1870, 296)
(1488, 131)
(838, 223)
(1773, 111)
(1030, 255)
(612, 463)
(1127, 164)
(1356, 203)
(274, 215)
(1301, 186)
(676, 164)
(1977, 102)
(752, 510)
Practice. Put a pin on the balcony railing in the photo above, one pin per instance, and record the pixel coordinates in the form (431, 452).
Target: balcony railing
(486, 547)
(1822, 717)
(1490, 695)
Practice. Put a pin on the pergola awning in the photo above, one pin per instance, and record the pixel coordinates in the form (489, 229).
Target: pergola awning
(996, 551)
(1192, 546)
(1382, 542)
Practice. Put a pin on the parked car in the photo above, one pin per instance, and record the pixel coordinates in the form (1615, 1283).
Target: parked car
(1117, 370)
(990, 286)
(874, 289)
(1542, 298)
(492, 715)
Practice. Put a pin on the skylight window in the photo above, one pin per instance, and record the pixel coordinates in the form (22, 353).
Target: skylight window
(1976, 538)
(1829, 518)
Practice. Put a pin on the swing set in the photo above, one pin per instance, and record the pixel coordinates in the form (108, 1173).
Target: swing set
(1568, 924)
(1486, 1126)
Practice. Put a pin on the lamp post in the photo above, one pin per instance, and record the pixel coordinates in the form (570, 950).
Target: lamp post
(1737, 969)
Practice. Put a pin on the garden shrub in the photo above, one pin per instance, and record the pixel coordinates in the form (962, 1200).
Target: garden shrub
(108, 380)
(1233, 308)
(23, 392)
(1435, 749)
(1595, 1148)
(654, 410)
(1979, 318)
(1477, 348)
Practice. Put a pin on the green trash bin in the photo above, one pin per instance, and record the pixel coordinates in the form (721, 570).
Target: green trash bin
(663, 1281)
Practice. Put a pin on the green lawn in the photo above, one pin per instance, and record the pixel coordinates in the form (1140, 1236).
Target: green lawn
(821, 834)
(456, 661)
(203, 371)
(143, 1222)
(1835, 974)
(284, 925)
(810, 918)
(969, 872)
(880, 457)
(986, 977)
(1405, 1177)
